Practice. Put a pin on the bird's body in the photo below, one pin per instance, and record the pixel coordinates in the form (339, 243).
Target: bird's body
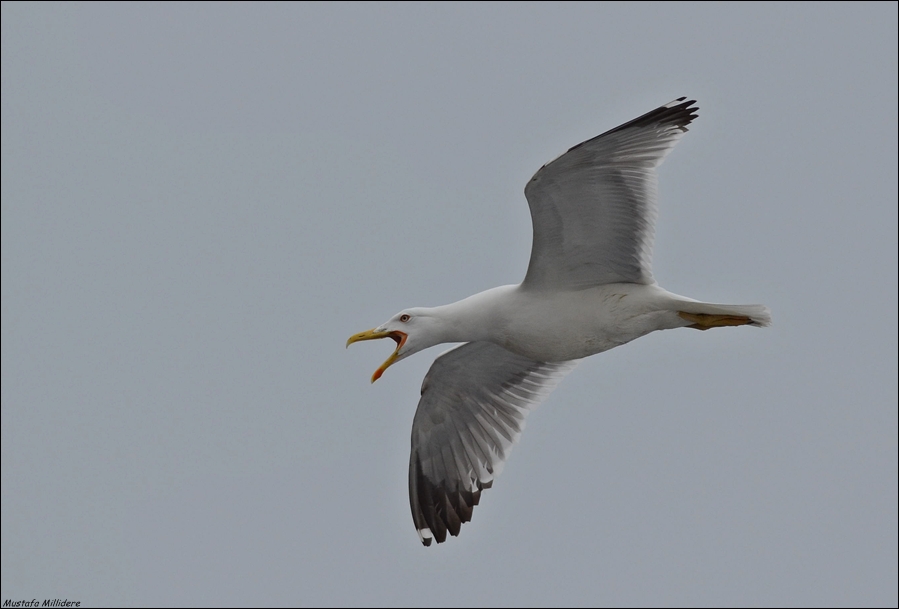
(569, 325)
(589, 288)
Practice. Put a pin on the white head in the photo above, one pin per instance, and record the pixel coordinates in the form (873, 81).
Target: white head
(412, 329)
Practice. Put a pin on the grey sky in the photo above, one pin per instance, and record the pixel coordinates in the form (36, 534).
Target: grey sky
(200, 203)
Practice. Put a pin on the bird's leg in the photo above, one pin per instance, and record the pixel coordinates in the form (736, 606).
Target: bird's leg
(704, 321)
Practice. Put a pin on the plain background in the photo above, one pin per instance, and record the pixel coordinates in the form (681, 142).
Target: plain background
(200, 203)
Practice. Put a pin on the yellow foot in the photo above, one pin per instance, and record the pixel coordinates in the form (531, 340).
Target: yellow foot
(702, 321)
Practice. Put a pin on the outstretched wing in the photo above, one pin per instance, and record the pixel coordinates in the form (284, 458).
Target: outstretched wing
(594, 207)
(473, 405)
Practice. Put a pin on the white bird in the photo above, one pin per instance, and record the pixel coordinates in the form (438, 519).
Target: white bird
(588, 288)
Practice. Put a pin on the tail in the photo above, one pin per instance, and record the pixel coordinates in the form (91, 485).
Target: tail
(703, 316)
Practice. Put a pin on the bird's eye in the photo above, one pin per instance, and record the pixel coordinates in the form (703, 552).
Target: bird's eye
(404, 318)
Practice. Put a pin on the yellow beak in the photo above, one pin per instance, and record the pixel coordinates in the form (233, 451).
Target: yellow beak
(399, 337)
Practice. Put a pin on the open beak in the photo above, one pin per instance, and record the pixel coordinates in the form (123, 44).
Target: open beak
(399, 337)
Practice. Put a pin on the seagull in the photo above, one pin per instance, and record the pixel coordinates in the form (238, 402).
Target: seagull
(588, 288)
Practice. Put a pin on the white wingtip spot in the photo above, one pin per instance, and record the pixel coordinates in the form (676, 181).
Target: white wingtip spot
(424, 534)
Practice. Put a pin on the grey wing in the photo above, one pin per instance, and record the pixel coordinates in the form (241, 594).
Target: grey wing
(594, 208)
(473, 405)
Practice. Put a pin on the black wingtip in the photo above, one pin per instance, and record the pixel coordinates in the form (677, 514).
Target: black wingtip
(678, 113)
(437, 507)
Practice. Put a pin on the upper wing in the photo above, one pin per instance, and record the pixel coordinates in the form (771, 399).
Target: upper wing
(474, 401)
(594, 207)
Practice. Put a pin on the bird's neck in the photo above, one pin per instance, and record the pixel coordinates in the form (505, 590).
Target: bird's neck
(478, 317)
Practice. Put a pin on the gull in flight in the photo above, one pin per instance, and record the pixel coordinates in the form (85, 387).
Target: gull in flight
(588, 288)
